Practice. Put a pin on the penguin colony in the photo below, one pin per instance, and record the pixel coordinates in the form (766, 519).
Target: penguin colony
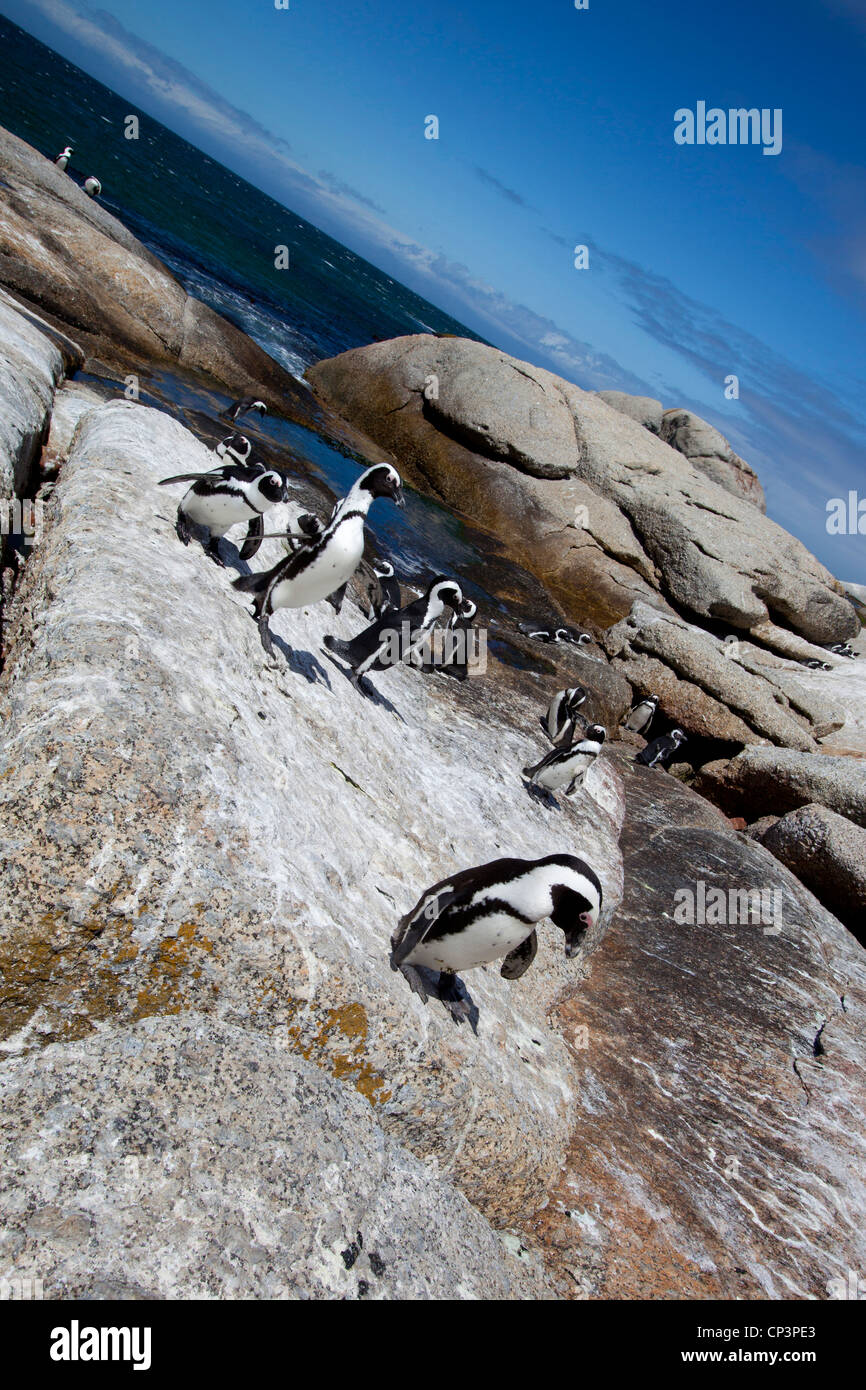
(481, 914)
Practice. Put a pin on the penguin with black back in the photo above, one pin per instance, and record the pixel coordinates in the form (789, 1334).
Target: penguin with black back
(399, 636)
(225, 496)
(490, 913)
(327, 563)
(661, 750)
(560, 721)
(567, 767)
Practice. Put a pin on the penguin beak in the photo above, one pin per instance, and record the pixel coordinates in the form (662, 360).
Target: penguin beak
(398, 496)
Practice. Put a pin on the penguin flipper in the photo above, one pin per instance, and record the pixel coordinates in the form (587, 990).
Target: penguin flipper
(336, 598)
(414, 926)
(255, 534)
(182, 478)
(545, 762)
(518, 961)
(252, 583)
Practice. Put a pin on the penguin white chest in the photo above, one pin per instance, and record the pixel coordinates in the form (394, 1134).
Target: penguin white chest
(335, 563)
(218, 512)
(486, 939)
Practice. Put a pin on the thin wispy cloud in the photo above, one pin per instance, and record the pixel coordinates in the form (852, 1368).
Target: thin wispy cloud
(492, 182)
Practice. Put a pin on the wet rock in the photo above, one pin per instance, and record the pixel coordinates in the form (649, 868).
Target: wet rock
(184, 1158)
(773, 781)
(827, 852)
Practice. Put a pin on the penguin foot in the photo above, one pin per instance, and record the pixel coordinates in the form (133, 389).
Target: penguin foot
(212, 550)
(457, 1000)
(265, 635)
(414, 979)
(182, 528)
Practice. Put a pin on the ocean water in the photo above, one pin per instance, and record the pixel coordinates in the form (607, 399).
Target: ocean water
(216, 233)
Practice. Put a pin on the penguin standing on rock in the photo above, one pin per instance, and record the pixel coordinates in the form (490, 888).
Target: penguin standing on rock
(398, 637)
(661, 750)
(235, 447)
(316, 570)
(225, 496)
(487, 913)
(560, 721)
(383, 591)
(453, 659)
(556, 635)
(63, 158)
(244, 407)
(567, 767)
(641, 715)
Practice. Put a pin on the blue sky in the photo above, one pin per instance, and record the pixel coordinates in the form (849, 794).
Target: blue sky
(556, 128)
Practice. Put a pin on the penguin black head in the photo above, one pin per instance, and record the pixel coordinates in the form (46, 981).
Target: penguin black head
(468, 609)
(678, 737)
(566, 634)
(309, 524)
(447, 591)
(383, 481)
(577, 904)
(384, 570)
(239, 445)
(596, 733)
(274, 486)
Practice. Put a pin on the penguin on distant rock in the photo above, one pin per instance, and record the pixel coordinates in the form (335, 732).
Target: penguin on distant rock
(815, 665)
(556, 635)
(92, 187)
(567, 767)
(224, 497)
(661, 750)
(487, 913)
(641, 715)
(383, 591)
(843, 649)
(560, 721)
(399, 637)
(63, 158)
(326, 565)
(244, 407)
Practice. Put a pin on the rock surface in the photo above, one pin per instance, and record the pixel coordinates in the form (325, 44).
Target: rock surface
(67, 255)
(708, 687)
(31, 366)
(773, 781)
(184, 1158)
(709, 451)
(644, 409)
(719, 1143)
(827, 852)
(215, 834)
(495, 437)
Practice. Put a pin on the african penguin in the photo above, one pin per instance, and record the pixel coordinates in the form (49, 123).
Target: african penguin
(641, 715)
(661, 750)
(243, 407)
(236, 447)
(560, 721)
(400, 635)
(452, 656)
(316, 570)
(64, 157)
(490, 912)
(225, 496)
(843, 649)
(383, 591)
(92, 187)
(815, 665)
(567, 767)
(556, 635)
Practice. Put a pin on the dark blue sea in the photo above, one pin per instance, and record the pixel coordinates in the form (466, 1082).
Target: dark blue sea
(217, 234)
